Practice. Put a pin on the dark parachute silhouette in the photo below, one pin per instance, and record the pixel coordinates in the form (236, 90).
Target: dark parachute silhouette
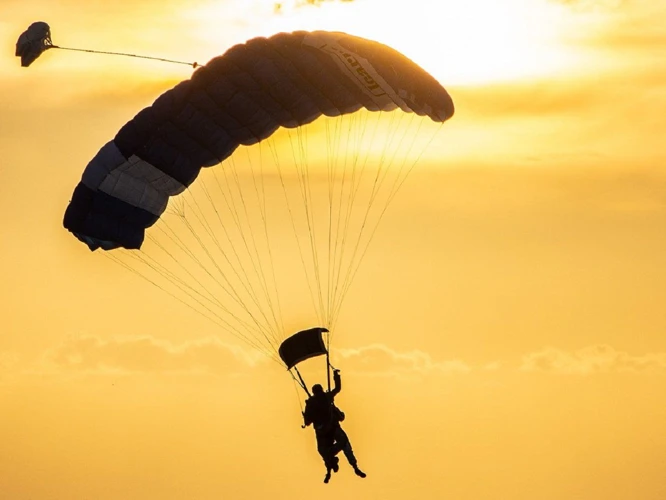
(33, 42)
(255, 92)
(302, 345)
(239, 98)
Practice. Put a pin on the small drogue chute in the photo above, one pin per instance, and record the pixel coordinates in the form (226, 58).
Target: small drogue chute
(37, 38)
(33, 42)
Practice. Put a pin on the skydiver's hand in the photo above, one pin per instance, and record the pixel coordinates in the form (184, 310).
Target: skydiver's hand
(336, 372)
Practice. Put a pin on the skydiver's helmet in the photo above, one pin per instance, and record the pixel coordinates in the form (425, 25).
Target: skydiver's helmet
(317, 389)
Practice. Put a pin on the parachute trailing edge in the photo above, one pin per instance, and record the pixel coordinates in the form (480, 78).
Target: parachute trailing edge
(239, 98)
(303, 345)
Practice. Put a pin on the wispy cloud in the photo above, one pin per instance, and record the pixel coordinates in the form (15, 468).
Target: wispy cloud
(624, 24)
(91, 354)
(145, 354)
(378, 359)
(591, 360)
(279, 7)
(592, 4)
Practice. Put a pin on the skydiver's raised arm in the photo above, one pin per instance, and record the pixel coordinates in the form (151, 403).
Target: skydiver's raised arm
(338, 383)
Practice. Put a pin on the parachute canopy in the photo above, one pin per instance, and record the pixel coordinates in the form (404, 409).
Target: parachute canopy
(303, 345)
(332, 125)
(239, 98)
(33, 42)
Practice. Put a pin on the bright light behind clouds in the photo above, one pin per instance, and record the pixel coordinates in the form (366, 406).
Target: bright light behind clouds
(471, 42)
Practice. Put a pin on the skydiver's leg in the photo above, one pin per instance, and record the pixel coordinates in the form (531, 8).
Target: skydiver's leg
(325, 449)
(342, 443)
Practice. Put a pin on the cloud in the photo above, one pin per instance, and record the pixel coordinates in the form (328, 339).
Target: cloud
(571, 99)
(591, 360)
(91, 354)
(145, 354)
(279, 7)
(378, 359)
(625, 24)
(593, 5)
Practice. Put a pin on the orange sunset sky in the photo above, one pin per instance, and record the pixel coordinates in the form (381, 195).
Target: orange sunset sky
(504, 338)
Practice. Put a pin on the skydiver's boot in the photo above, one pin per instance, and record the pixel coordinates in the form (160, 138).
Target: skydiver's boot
(335, 464)
(327, 477)
(359, 472)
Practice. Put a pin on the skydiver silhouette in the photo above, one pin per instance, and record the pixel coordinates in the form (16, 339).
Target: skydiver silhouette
(325, 417)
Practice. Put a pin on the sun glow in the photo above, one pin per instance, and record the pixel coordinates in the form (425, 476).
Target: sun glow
(472, 42)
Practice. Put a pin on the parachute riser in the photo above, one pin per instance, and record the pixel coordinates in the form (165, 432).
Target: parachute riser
(328, 371)
(301, 381)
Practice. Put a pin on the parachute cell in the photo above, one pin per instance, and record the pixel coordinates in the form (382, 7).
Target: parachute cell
(239, 98)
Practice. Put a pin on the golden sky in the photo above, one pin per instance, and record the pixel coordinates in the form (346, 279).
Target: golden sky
(505, 336)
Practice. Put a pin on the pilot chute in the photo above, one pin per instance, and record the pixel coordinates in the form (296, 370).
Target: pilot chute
(33, 42)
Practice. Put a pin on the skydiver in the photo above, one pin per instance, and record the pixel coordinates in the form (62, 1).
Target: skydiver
(320, 410)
